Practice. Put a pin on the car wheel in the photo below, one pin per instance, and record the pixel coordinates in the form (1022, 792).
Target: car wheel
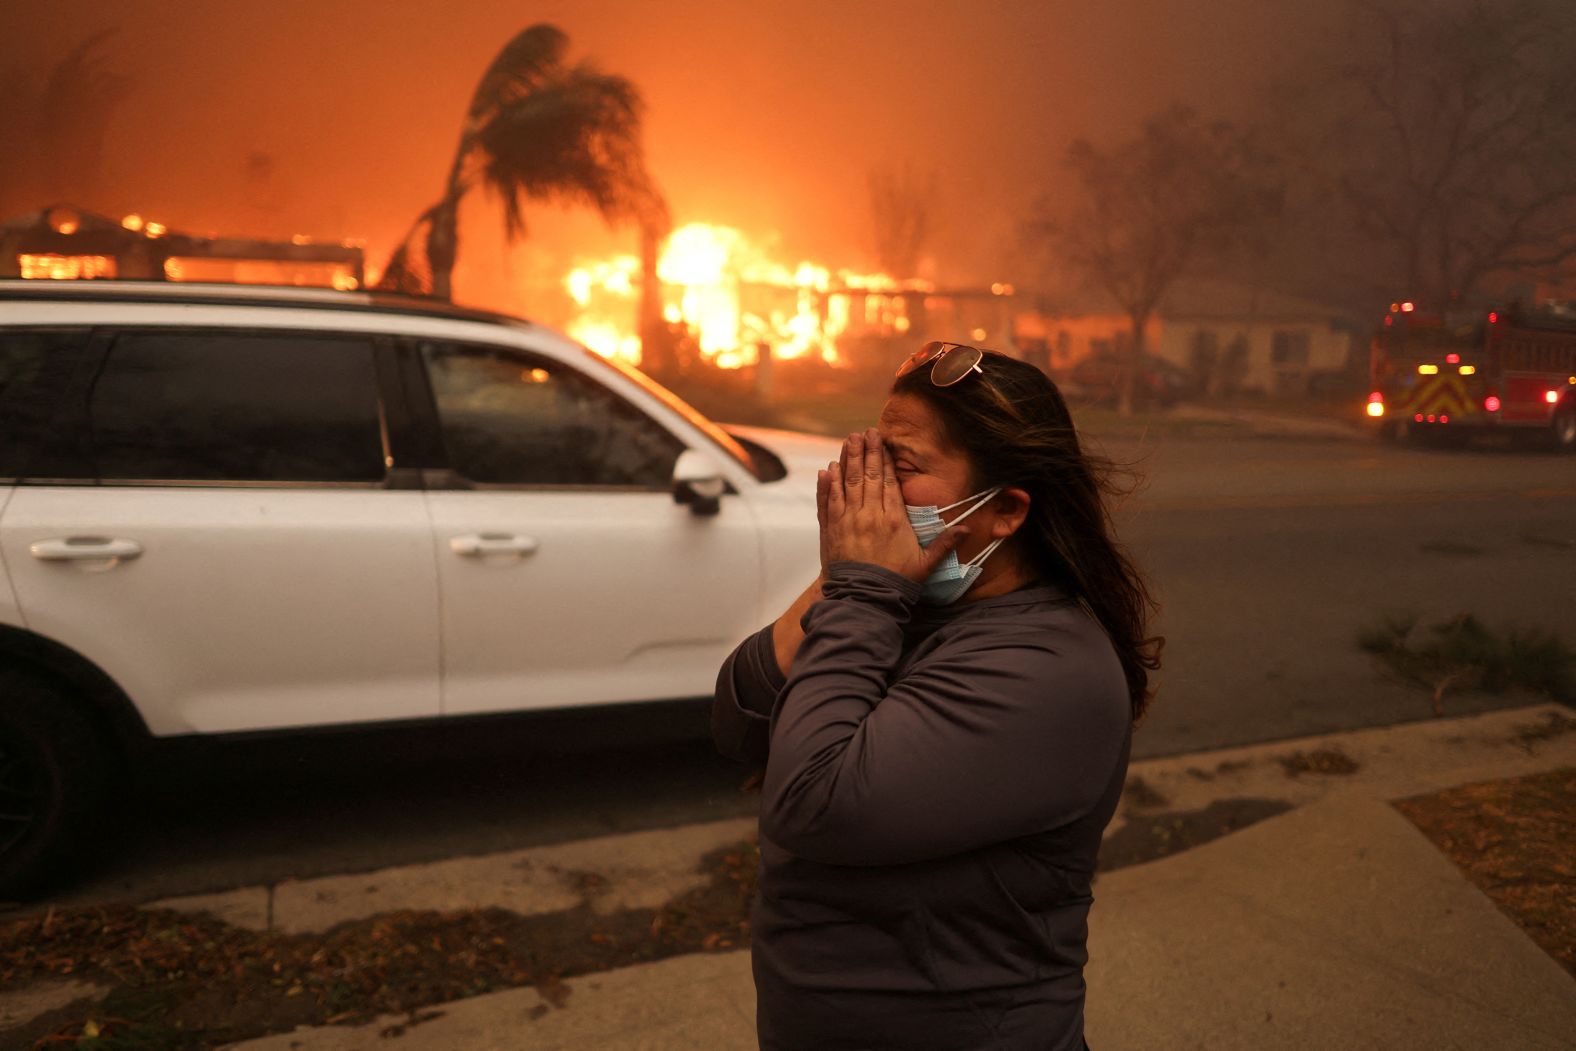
(1565, 428)
(54, 776)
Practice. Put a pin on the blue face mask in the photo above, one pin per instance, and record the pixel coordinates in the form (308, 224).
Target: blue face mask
(951, 579)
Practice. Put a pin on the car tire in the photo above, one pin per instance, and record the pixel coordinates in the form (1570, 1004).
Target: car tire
(55, 772)
(1565, 427)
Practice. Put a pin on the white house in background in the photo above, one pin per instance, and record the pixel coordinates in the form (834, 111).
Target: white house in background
(1230, 337)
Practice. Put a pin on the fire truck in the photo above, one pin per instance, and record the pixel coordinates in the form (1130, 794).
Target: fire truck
(1453, 375)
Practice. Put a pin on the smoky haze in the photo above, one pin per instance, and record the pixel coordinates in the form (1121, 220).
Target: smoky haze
(339, 120)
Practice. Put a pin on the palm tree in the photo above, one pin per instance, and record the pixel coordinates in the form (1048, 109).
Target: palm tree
(537, 130)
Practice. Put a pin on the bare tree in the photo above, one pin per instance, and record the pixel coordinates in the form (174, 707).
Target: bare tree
(1147, 210)
(1449, 132)
(902, 202)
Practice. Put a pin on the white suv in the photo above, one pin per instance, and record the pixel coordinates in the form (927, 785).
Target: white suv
(229, 509)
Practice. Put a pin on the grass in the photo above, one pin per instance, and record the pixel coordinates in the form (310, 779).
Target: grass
(1462, 653)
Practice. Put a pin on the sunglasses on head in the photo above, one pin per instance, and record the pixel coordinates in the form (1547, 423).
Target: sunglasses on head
(949, 362)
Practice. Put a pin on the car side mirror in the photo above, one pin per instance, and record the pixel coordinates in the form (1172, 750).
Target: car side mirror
(698, 481)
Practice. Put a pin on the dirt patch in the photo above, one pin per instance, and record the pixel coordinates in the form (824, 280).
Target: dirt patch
(1225, 768)
(1149, 837)
(1330, 761)
(182, 981)
(1139, 794)
(1513, 839)
(1554, 724)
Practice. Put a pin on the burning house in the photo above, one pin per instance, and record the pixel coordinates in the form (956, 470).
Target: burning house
(62, 242)
(744, 308)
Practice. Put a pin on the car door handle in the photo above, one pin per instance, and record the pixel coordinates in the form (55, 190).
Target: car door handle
(84, 548)
(477, 545)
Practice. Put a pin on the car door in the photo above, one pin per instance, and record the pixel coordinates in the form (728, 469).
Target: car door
(212, 524)
(569, 574)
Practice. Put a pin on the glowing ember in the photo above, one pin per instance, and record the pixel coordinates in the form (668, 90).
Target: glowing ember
(735, 299)
(48, 266)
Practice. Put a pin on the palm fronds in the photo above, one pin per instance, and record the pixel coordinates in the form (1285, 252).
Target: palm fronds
(536, 131)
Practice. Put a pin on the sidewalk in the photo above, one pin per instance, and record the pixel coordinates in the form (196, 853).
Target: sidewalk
(1334, 924)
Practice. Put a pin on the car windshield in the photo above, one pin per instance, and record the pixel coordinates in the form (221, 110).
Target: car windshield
(719, 436)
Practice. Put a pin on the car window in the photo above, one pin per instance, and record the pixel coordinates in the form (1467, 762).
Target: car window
(511, 418)
(221, 406)
(36, 370)
(728, 443)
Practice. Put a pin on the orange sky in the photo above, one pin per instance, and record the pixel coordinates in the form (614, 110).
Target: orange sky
(762, 115)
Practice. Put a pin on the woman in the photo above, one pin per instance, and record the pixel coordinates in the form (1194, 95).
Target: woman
(945, 716)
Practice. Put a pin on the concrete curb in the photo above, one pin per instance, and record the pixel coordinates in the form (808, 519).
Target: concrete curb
(1386, 763)
(634, 870)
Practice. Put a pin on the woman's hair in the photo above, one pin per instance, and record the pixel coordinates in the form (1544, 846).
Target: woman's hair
(1012, 424)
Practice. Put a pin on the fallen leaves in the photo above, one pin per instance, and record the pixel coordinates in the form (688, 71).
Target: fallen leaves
(212, 983)
(1331, 761)
(1512, 839)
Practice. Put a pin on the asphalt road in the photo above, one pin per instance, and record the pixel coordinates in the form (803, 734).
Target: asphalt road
(1268, 555)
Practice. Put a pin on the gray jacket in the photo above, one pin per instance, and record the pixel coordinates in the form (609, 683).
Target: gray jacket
(937, 781)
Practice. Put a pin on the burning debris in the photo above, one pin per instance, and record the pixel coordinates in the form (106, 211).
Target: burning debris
(740, 303)
(66, 243)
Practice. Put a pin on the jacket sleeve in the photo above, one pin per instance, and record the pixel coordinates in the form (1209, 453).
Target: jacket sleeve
(993, 736)
(747, 688)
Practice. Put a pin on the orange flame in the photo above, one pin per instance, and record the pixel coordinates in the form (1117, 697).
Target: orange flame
(735, 299)
(49, 266)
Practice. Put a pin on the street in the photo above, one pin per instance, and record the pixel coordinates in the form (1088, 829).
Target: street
(1268, 556)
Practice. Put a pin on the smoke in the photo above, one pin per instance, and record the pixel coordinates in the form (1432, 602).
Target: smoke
(339, 119)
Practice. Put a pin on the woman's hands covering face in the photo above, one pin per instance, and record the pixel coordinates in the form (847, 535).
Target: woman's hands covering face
(860, 508)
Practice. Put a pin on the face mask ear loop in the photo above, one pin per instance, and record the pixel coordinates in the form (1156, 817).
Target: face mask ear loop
(979, 559)
(984, 498)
